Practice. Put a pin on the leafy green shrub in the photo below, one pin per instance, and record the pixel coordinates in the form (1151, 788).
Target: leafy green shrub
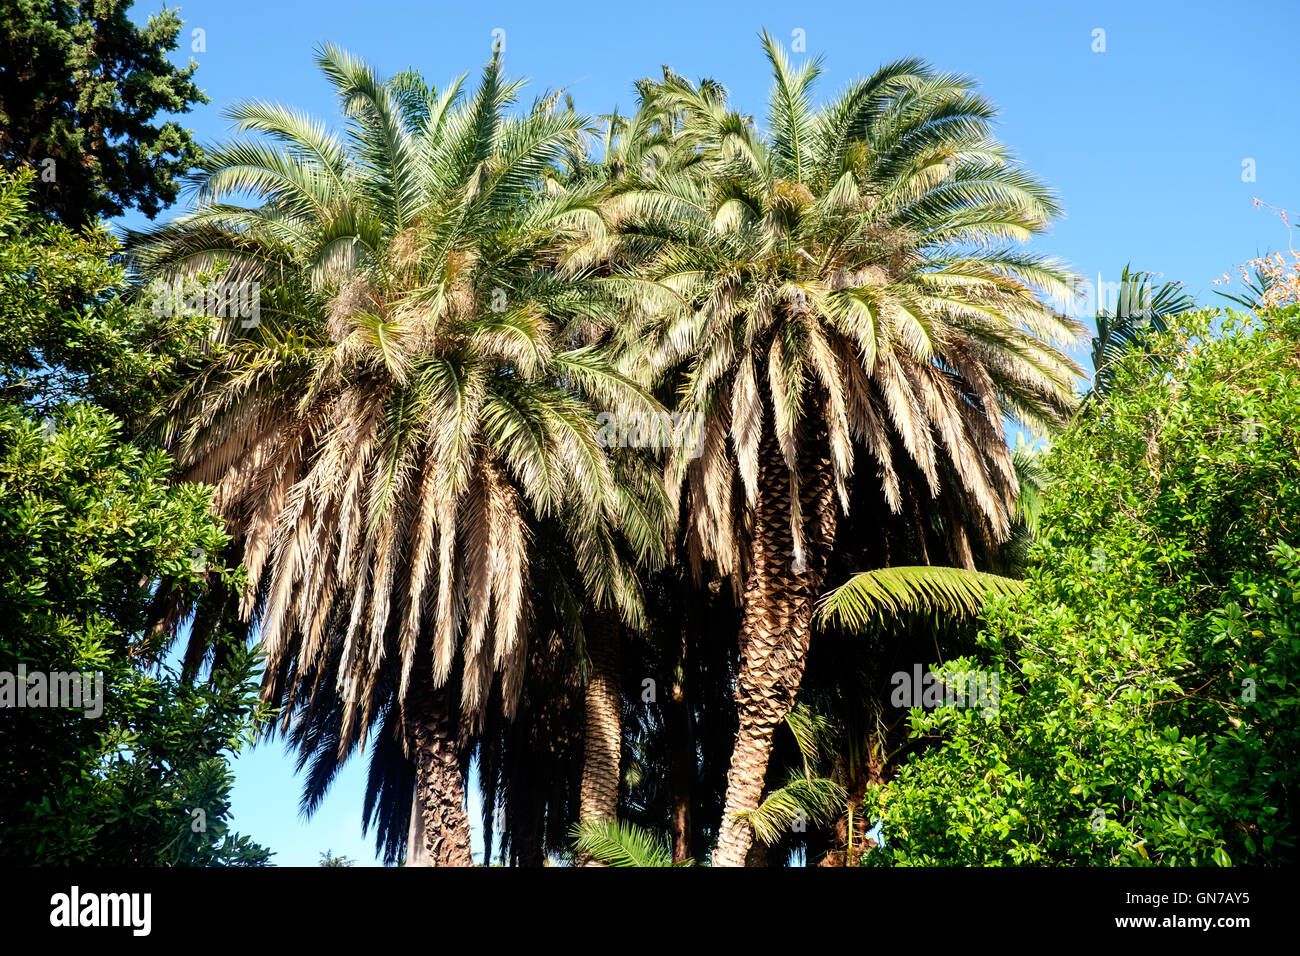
(90, 524)
(69, 330)
(1148, 674)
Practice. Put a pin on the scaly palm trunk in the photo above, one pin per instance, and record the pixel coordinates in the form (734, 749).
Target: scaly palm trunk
(776, 628)
(603, 721)
(439, 831)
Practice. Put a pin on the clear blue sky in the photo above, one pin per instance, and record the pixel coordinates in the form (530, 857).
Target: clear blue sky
(1144, 142)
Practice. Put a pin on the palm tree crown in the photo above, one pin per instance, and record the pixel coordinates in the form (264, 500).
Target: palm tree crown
(852, 266)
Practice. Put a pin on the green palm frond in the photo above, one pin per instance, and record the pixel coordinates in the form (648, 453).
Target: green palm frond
(808, 800)
(871, 595)
(812, 734)
(791, 119)
(618, 843)
(1032, 478)
(1140, 311)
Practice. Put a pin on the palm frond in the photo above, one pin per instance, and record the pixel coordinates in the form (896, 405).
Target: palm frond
(619, 843)
(872, 595)
(1141, 310)
(805, 800)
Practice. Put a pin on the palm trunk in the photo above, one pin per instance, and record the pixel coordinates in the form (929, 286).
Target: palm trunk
(439, 831)
(603, 721)
(776, 628)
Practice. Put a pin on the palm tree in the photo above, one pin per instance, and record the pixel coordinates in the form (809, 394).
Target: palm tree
(328, 858)
(893, 618)
(629, 147)
(845, 280)
(1140, 310)
(412, 404)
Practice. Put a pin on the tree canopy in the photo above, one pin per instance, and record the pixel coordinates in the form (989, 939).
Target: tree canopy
(1147, 673)
(84, 100)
